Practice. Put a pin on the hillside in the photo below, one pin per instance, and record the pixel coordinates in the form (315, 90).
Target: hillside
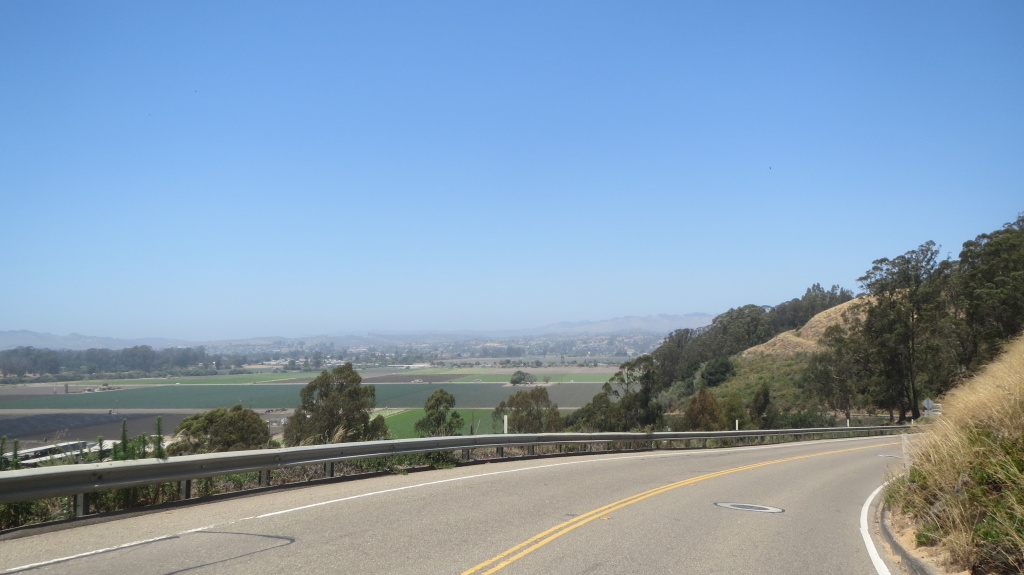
(801, 340)
(780, 363)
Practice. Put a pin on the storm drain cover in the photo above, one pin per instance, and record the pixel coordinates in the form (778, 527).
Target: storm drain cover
(750, 507)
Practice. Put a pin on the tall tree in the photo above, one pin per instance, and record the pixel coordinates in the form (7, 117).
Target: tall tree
(763, 412)
(718, 370)
(628, 406)
(992, 275)
(703, 412)
(521, 377)
(529, 411)
(901, 310)
(600, 414)
(439, 417)
(335, 407)
(838, 373)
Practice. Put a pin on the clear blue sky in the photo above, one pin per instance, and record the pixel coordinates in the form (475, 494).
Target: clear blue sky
(207, 170)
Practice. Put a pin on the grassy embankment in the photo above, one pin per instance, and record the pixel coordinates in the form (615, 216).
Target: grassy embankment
(964, 489)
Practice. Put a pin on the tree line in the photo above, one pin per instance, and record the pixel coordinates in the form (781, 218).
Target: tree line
(47, 365)
(21, 361)
(924, 324)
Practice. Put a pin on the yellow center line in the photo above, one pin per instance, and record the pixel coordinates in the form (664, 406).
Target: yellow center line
(519, 551)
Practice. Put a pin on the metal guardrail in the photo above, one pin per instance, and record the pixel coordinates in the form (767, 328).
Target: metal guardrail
(80, 479)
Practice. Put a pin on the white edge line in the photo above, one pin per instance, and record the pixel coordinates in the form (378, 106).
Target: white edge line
(427, 484)
(105, 550)
(876, 559)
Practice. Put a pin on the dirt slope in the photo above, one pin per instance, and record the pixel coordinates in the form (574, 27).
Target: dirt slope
(803, 340)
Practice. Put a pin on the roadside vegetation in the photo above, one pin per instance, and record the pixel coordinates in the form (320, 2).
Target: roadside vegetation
(964, 488)
(124, 449)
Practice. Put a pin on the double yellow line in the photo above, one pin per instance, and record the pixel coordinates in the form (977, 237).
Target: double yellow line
(513, 554)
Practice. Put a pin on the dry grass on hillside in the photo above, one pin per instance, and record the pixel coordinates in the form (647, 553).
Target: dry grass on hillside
(805, 339)
(965, 485)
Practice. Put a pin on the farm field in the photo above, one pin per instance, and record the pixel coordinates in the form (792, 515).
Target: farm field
(554, 375)
(434, 375)
(401, 425)
(55, 426)
(267, 396)
(375, 376)
(290, 377)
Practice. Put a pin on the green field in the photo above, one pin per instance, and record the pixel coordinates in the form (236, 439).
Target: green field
(200, 380)
(402, 425)
(264, 396)
(484, 375)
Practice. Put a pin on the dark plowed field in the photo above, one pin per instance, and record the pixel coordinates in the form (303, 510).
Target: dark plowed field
(42, 429)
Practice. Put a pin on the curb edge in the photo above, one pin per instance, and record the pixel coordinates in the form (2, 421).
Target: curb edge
(908, 561)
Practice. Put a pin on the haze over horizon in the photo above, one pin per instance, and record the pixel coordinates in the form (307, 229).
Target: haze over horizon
(220, 171)
(660, 324)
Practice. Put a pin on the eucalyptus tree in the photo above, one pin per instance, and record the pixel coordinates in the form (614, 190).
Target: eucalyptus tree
(529, 411)
(335, 407)
(440, 418)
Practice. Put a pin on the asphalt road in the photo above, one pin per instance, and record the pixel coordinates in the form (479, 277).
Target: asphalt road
(616, 514)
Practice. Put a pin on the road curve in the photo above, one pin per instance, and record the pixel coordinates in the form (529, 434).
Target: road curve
(651, 512)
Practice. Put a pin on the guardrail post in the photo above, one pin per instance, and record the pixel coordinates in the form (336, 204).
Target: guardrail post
(501, 451)
(531, 449)
(466, 454)
(81, 504)
(264, 478)
(185, 489)
(329, 469)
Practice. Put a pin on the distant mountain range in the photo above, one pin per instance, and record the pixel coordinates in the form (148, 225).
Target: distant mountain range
(25, 338)
(653, 324)
(657, 324)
